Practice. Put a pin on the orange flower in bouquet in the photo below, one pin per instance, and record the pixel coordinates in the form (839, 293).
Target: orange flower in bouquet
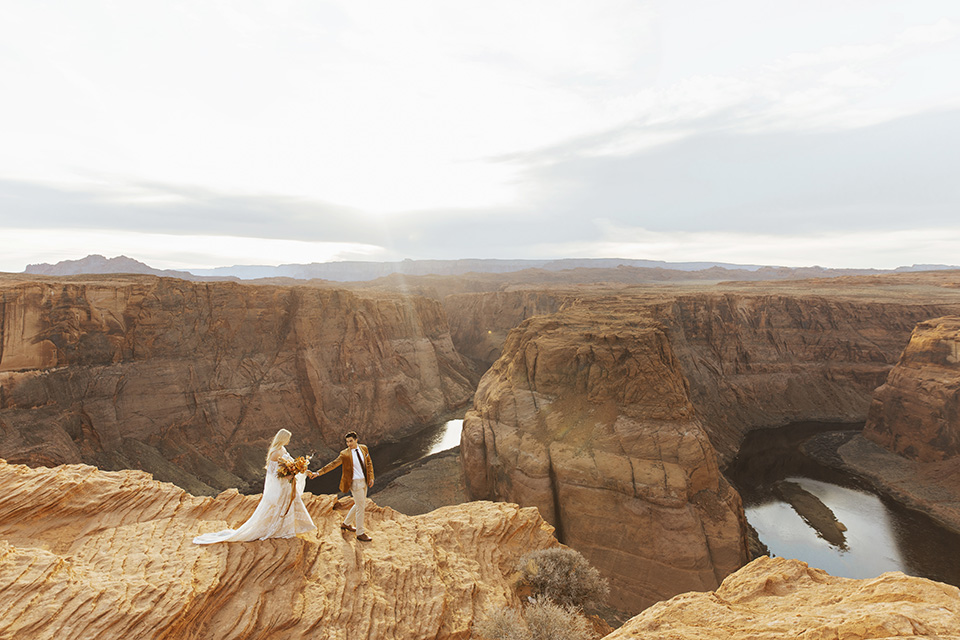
(290, 468)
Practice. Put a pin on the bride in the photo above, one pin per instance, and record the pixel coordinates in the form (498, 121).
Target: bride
(280, 514)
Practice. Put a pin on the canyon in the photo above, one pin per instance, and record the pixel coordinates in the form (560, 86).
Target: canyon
(100, 555)
(189, 381)
(611, 408)
(614, 415)
(910, 445)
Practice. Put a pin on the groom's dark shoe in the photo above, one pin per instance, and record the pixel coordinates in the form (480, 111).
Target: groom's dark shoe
(347, 527)
(364, 538)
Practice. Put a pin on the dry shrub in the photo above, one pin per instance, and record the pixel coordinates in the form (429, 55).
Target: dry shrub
(504, 623)
(540, 620)
(548, 621)
(564, 576)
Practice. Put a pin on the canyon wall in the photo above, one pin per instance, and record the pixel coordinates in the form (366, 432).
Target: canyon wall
(586, 416)
(916, 413)
(104, 555)
(479, 322)
(762, 360)
(627, 404)
(189, 381)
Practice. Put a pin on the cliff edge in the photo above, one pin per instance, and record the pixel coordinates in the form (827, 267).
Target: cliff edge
(104, 555)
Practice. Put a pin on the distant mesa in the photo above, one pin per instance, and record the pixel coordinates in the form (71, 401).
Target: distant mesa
(618, 269)
(98, 264)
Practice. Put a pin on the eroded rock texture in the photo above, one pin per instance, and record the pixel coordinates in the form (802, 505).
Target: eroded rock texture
(479, 322)
(758, 361)
(916, 413)
(625, 403)
(190, 380)
(775, 598)
(105, 555)
(587, 417)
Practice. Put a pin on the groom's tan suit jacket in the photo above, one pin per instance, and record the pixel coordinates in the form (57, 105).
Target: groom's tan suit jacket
(346, 460)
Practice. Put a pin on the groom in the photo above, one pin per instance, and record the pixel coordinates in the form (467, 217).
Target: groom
(357, 477)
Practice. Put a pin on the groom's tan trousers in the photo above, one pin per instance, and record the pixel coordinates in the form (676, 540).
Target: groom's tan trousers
(359, 491)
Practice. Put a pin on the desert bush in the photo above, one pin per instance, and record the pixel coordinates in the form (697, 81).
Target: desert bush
(540, 620)
(564, 576)
(548, 621)
(504, 623)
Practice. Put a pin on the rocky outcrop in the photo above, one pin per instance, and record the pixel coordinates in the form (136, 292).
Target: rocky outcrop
(190, 380)
(773, 598)
(584, 402)
(916, 413)
(587, 417)
(104, 555)
(764, 360)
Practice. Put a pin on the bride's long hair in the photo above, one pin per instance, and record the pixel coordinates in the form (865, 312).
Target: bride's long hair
(279, 440)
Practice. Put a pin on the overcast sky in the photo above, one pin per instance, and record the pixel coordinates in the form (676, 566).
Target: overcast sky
(205, 133)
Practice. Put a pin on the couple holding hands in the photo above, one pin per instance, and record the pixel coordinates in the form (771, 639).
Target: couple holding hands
(281, 512)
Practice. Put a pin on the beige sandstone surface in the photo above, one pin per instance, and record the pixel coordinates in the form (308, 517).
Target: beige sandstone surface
(189, 381)
(105, 555)
(776, 598)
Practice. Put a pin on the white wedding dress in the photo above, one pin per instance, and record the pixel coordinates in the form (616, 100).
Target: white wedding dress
(280, 513)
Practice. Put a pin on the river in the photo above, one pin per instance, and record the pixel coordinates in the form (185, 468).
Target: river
(799, 507)
(805, 510)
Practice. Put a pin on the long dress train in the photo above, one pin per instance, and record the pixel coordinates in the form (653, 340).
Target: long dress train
(280, 513)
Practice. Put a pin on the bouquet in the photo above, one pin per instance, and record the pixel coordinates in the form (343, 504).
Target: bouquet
(290, 468)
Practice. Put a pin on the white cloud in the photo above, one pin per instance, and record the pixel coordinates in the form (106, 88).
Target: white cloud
(392, 108)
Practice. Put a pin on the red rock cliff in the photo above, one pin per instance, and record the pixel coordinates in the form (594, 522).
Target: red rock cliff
(916, 413)
(763, 360)
(587, 417)
(190, 380)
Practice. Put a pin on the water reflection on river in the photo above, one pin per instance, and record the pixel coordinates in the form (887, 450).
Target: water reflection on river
(880, 535)
(391, 455)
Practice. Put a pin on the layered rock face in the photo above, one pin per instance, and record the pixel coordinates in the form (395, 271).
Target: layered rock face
(190, 381)
(479, 322)
(584, 402)
(916, 413)
(774, 598)
(755, 361)
(105, 555)
(587, 417)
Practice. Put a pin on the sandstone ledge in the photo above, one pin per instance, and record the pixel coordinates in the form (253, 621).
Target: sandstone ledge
(776, 598)
(93, 554)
